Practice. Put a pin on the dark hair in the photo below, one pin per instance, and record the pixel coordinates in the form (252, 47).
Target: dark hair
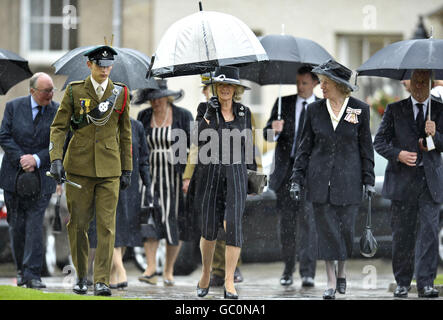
(305, 69)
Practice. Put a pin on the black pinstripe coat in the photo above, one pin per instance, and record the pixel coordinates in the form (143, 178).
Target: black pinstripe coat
(221, 188)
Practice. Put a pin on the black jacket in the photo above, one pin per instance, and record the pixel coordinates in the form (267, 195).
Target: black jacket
(342, 159)
(398, 132)
(18, 137)
(282, 162)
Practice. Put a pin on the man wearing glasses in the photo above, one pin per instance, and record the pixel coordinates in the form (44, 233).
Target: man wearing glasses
(24, 137)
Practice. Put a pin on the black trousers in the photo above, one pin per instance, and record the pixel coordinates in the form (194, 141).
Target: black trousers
(297, 233)
(414, 225)
(25, 219)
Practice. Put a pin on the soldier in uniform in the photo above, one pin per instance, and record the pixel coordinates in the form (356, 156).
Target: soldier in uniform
(98, 157)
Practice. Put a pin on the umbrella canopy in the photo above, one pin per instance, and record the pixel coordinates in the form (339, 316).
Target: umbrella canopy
(13, 69)
(130, 67)
(399, 59)
(286, 54)
(202, 41)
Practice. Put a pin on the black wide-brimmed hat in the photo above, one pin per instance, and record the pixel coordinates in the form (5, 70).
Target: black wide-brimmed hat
(337, 72)
(143, 95)
(226, 74)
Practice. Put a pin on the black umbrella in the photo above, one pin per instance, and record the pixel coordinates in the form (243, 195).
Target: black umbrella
(286, 55)
(398, 60)
(13, 69)
(130, 67)
(368, 244)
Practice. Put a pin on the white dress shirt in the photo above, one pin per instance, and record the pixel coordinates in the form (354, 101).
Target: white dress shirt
(415, 107)
(104, 84)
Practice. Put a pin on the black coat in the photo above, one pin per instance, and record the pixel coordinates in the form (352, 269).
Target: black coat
(398, 132)
(282, 162)
(342, 159)
(18, 137)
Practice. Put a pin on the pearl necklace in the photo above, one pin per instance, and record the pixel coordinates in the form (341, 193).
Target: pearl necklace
(164, 120)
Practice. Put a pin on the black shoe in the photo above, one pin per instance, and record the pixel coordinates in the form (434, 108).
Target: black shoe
(35, 284)
(401, 291)
(341, 285)
(229, 295)
(201, 292)
(122, 285)
(113, 286)
(20, 279)
(307, 282)
(427, 292)
(286, 279)
(81, 287)
(329, 294)
(101, 289)
(238, 276)
(217, 281)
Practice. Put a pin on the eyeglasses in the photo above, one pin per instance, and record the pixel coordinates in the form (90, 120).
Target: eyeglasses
(47, 91)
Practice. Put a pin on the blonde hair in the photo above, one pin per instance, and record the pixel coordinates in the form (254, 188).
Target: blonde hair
(341, 87)
(238, 90)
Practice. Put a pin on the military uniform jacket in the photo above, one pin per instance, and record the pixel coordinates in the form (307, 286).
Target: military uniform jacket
(93, 151)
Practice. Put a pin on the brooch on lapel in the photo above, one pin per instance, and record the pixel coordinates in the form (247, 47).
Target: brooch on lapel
(352, 115)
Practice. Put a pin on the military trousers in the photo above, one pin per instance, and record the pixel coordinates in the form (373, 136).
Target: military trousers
(99, 196)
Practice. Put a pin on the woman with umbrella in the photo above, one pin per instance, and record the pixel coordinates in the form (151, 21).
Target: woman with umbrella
(221, 175)
(337, 159)
(159, 122)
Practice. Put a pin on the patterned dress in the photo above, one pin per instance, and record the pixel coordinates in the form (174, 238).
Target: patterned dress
(165, 187)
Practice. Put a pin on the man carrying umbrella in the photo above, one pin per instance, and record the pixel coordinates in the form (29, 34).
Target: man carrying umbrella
(414, 183)
(287, 133)
(98, 157)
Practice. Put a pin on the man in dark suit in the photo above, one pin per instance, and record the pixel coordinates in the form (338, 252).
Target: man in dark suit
(24, 136)
(286, 131)
(414, 184)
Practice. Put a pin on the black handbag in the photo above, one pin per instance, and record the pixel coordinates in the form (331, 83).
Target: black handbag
(256, 182)
(27, 184)
(368, 244)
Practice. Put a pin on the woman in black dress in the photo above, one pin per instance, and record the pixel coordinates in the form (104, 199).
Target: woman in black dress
(336, 161)
(160, 121)
(221, 181)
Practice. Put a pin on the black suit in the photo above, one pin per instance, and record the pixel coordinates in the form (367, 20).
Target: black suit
(333, 165)
(18, 136)
(416, 192)
(289, 212)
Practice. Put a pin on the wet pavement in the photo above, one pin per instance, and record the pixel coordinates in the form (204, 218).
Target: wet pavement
(367, 279)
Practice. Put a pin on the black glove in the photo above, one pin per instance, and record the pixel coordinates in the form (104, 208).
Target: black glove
(57, 171)
(368, 191)
(211, 110)
(125, 179)
(295, 191)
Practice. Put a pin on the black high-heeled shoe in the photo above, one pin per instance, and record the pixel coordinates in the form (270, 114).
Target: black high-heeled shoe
(229, 295)
(201, 292)
(341, 285)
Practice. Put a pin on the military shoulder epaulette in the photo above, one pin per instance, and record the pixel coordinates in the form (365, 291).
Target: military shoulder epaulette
(77, 82)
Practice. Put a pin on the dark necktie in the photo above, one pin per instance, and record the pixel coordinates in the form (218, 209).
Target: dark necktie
(420, 122)
(297, 136)
(38, 116)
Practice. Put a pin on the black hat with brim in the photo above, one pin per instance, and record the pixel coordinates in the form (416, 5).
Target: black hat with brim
(103, 56)
(226, 74)
(148, 94)
(336, 72)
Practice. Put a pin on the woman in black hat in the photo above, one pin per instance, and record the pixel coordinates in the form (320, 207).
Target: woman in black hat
(337, 159)
(221, 175)
(159, 122)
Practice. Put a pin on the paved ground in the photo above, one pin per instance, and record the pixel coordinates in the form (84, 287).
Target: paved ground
(369, 279)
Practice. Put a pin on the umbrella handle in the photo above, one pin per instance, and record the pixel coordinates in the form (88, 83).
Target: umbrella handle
(368, 218)
(279, 104)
